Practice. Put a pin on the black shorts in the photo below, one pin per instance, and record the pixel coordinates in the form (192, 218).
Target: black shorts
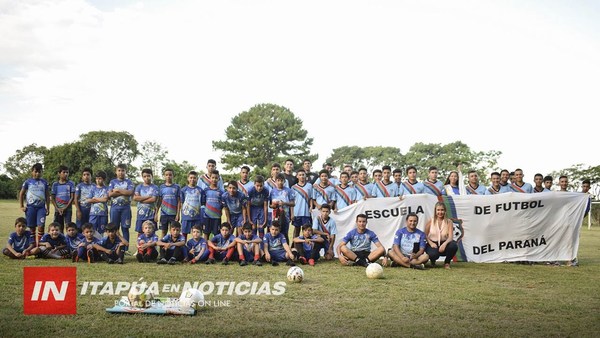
(364, 254)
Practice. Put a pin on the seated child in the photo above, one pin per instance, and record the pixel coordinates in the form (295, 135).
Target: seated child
(146, 250)
(275, 246)
(222, 246)
(308, 245)
(409, 245)
(54, 244)
(325, 226)
(197, 248)
(21, 243)
(172, 245)
(360, 239)
(112, 246)
(89, 246)
(248, 246)
(74, 238)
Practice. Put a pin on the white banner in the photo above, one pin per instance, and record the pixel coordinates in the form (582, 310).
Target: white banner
(496, 228)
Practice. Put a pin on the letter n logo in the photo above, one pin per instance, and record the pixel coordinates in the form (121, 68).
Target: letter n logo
(50, 290)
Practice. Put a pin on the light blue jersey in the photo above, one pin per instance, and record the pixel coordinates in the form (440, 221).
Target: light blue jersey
(35, 192)
(406, 240)
(525, 188)
(381, 189)
(82, 191)
(363, 190)
(408, 188)
(146, 210)
(62, 193)
(303, 194)
(191, 198)
(99, 209)
(284, 195)
(360, 242)
(479, 190)
(169, 198)
(433, 188)
(245, 187)
(323, 195)
(344, 196)
(125, 184)
(326, 226)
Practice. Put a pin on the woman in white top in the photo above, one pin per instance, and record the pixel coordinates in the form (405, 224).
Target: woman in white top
(439, 233)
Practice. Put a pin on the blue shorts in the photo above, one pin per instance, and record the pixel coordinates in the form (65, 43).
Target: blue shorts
(220, 255)
(85, 217)
(257, 215)
(35, 216)
(278, 256)
(99, 222)
(202, 258)
(121, 215)
(236, 220)
(186, 226)
(301, 220)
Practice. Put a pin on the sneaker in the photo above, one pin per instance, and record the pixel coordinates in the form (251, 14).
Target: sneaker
(172, 261)
(225, 261)
(418, 266)
(139, 257)
(295, 253)
(147, 258)
(447, 266)
(210, 261)
(362, 262)
(257, 263)
(90, 256)
(303, 260)
(161, 261)
(290, 263)
(243, 263)
(274, 263)
(193, 261)
(311, 262)
(110, 261)
(119, 261)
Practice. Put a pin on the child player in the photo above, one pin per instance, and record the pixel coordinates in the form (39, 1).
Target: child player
(54, 244)
(74, 238)
(63, 195)
(325, 226)
(248, 246)
(212, 200)
(113, 245)
(168, 201)
(308, 245)
(145, 195)
(361, 239)
(197, 248)
(82, 191)
(146, 243)
(189, 204)
(282, 202)
(88, 248)
(302, 202)
(172, 246)
(37, 194)
(98, 198)
(222, 246)
(275, 247)
(234, 206)
(258, 198)
(20, 243)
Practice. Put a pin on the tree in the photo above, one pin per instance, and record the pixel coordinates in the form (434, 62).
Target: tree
(180, 171)
(153, 156)
(262, 135)
(75, 156)
(112, 147)
(368, 157)
(22, 161)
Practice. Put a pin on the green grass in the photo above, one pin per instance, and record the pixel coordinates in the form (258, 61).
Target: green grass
(470, 300)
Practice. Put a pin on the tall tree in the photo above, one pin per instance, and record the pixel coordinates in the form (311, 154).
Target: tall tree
(20, 163)
(114, 147)
(264, 134)
(368, 157)
(153, 156)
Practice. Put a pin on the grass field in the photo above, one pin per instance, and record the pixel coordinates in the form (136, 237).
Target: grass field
(472, 300)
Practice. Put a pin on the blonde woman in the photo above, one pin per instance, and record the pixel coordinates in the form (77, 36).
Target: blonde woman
(439, 235)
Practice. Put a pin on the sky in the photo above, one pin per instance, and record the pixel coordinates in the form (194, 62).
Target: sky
(520, 77)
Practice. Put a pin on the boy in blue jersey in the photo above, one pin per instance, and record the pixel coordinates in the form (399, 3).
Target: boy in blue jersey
(197, 247)
(234, 207)
(303, 203)
(211, 166)
(245, 184)
(222, 246)
(345, 194)
(411, 186)
(325, 226)
(363, 186)
(190, 201)
(275, 246)
(169, 201)
(432, 185)
(146, 243)
(385, 187)
(248, 246)
(474, 188)
(73, 238)
(37, 194)
(82, 191)
(282, 202)
(409, 245)
(89, 246)
(518, 185)
(20, 243)
(495, 187)
(360, 239)
(308, 245)
(212, 200)
(53, 244)
(258, 200)
(172, 246)
(63, 195)
(98, 198)
(120, 191)
(145, 195)
(323, 191)
(113, 246)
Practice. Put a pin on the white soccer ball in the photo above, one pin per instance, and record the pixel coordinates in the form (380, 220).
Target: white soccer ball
(374, 271)
(295, 274)
(191, 298)
(138, 298)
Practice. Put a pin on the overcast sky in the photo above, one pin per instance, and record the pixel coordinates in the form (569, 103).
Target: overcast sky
(521, 77)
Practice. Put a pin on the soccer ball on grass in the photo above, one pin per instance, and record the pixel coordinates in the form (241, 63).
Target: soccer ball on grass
(191, 298)
(374, 271)
(295, 274)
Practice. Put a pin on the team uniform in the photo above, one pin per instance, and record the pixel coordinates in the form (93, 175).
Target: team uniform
(359, 243)
(221, 242)
(236, 205)
(87, 251)
(112, 246)
(177, 252)
(257, 212)
(363, 190)
(381, 189)
(35, 212)
(524, 188)
(120, 207)
(409, 188)
(284, 195)
(191, 212)
(204, 182)
(19, 243)
(245, 187)
(327, 226)
(450, 190)
(82, 191)
(406, 240)
(212, 199)
(344, 196)
(60, 240)
(324, 195)
(99, 211)
(303, 196)
(62, 193)
(169, 202)
(73, 243)
(538, 191)
(248, 248)
(195, 247)
(275, 247)
(433, 188)
(309, 250)
(493, 191)
(145, 211)
(479, 190)
(150, 252)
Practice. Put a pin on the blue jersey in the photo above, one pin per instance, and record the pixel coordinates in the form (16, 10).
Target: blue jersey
(433, 188)
(146, 210)
(275, 243)
(20, 243)
(35, 192)
(221, 242)
(308, 246)
(360, 242)
(525, 188)
(258, 198)
(204, 182)
(213, 202)
(479, 190)
(408, 188)
(108, 244)
(284, 195)
(196, 245)
(62, 193)
(328, 227)
(249, 246)
(54, 242)
(191, 199)
(323, 195)
(170, 239)
(143, 238)
(169, 199)
(235, 204)
(82, 192)
(245, 187)
(344, 196)
(303, 196)
(406, 240)
(73, 242)
(493, 191)
(101, 208)
(92, 241)
(125, 184)
(363, 190)
(381, 189)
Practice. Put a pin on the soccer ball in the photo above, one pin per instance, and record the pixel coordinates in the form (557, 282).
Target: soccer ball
(191, 298)
(374, 271)
(138, 298)
(295, 274)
